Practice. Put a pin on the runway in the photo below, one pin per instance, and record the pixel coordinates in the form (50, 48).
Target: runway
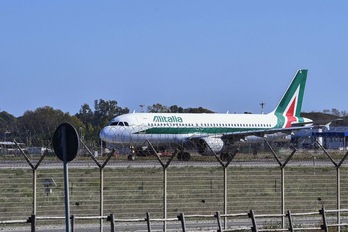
(156, 164)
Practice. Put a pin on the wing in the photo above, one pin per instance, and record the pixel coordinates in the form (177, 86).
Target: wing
(263, 132)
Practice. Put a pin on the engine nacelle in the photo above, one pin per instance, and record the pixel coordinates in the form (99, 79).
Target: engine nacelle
(215, 145)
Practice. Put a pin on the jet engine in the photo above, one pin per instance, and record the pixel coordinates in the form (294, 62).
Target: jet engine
(269, 137)
(215, 145)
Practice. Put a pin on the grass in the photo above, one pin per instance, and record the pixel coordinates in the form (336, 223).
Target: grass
(131, 192)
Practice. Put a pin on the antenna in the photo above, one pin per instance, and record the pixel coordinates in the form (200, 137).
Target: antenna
(262, 104)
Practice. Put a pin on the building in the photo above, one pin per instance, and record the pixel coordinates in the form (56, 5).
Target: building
(330, 138)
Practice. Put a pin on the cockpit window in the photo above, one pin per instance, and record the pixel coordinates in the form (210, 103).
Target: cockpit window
(119, 124)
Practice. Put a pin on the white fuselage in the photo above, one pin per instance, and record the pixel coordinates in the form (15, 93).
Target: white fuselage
(137, 128)
(208, 130)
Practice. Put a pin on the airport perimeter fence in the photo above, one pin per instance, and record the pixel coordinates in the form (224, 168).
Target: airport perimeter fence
(273, 185)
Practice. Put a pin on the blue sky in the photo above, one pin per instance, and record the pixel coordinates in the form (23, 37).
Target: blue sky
(221, 55)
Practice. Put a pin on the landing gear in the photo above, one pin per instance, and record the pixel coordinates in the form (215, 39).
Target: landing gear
(184, 156)
(160, 151)
(131, 157)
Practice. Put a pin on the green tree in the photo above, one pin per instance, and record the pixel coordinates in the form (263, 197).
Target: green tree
(198, 110)
(37, 127)
(176, 109)
(158, 108)
(95, 120)
(7, 124)
(106, 110)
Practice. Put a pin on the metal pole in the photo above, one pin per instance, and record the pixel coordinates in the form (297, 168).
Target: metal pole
(165, 199)
(291, 226)
(183, 223)
(34, 191)
(148, 221)
(72, 223)
(111, 218)
(33, 223)
(283, 195)
(253, 220)
(101, 197)
(66, 180)
(218, 218)
(225, 197)
(34, 168)
(323, 214)
(338, 192)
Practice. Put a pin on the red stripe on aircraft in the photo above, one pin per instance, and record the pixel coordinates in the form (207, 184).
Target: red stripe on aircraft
(290, 114)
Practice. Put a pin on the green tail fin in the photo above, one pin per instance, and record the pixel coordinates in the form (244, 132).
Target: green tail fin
(290, 104)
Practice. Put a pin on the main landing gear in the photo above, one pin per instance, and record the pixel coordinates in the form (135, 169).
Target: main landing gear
(136, 151)
(149, 151)
(131, 157)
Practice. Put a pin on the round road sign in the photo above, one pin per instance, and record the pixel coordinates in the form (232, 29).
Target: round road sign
(66, 139)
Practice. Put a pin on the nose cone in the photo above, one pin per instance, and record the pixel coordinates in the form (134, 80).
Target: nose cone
(106, 134)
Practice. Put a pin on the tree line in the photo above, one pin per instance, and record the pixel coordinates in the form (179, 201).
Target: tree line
(36, 128)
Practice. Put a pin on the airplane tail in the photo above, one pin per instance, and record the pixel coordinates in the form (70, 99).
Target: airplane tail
(289, 108)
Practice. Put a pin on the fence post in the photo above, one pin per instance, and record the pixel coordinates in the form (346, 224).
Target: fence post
(32, 221)
(72, 221)
(218, 218)
(324, 226)
(101, 178)
(101, 198)
(338, 196)
(282, 189)
(282, 169)
(34, 168)
(165, 196)
(34, 190)
(181, 217)
(291, 226)
(230, 157)
(111, 219)
(253, 220)
(339, 190)
(148, 221)
(165, 181)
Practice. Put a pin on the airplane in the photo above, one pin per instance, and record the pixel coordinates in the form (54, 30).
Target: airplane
(209, 133)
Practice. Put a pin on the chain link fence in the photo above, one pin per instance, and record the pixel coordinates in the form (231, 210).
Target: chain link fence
(273, 181)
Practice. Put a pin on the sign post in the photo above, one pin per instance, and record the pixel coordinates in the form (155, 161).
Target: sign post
(66, 145)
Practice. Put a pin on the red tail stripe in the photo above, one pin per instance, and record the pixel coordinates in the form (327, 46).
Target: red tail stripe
(290, 114)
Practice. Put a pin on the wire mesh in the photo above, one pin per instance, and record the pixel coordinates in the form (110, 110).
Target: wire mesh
(256, 188)
(132, 188)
